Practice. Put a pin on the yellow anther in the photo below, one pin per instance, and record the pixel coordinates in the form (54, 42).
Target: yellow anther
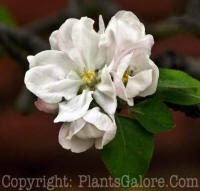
(125, 78)
(91, 73)
(88, 77)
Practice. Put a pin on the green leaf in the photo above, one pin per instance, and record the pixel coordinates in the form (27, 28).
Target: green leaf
(154, 115)
(6, 17)
(181, 97)
(178, 87)
(176, 79)
(130, 153)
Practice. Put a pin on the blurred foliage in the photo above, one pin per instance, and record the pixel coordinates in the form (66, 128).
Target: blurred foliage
(188, 22)
(172, 60)
(24, 102)
(192, 14)
(6, 17)
(93, 9)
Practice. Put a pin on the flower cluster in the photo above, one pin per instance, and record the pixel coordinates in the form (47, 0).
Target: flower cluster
(85, 71)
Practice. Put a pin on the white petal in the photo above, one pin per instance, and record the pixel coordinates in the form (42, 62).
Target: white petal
(66, 44)
(121, 90)
(121, 26)
(31, 61)
(75, 108)
(118, 41)
(152, 88)
(52, 57)
(108, 136)
(75, 127)
(81, 145)
(86, 40)
(65, 35)
(108, 44)
(48, 76)
(101, 25)
(129, 19)
(138, 83)
(89, 131)
(46, 107)
(45, 82)
(53, 39)
(103, 123)
(142, 46)
(105, 94)
(143, 62)
(98, 119)
(139, 63)
(74, 144)
(123, 65)
(71, 85)
(48, 82)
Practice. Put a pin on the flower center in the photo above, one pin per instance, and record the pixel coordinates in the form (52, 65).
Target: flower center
(88, 77)
(126, 75)
(125, 78)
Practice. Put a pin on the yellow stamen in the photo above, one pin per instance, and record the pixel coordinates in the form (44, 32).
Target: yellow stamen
(88, 77)
(125, 78)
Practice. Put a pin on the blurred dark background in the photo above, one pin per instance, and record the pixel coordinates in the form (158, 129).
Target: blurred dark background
(29, 140)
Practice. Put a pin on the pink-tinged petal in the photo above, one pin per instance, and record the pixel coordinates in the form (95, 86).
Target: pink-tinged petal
(123, 65)
(120, 27)
(142, 46)
(46, 107)
(121, 89)
(119, 43)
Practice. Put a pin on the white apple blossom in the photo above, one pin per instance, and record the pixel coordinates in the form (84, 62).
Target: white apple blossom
(128, 50)
(73, 73)
(74, 79)
(94, 128)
